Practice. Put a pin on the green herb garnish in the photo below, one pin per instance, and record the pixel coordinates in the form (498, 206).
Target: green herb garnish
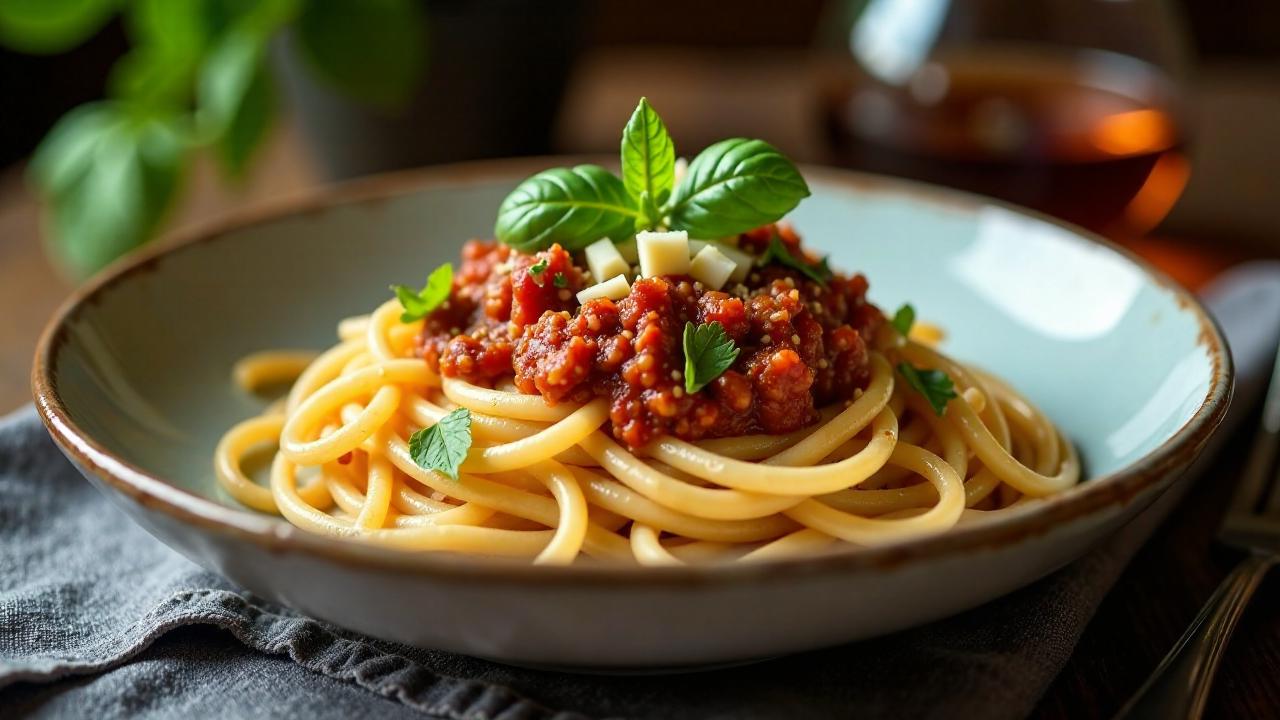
(536, 270)
(734, 186)
(731, 187)
(571, 206)
(648, 163)
(443, 446)
(708, 352)
(418, 304)
(904, 319)
(560, 280)
(777, 253)
(934, 385)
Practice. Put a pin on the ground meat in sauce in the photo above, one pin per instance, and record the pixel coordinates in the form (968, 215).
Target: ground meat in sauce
(802, 345)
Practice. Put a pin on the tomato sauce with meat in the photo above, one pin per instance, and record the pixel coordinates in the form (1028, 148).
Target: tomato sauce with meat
(803, 343)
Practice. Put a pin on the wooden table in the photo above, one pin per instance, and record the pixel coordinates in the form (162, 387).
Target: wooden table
(1150, 605)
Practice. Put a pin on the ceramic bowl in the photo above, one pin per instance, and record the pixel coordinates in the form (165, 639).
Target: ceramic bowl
(132, 379)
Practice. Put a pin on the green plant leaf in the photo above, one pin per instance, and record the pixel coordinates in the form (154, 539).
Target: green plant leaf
(66, 153)
(169, 39)
(51, 26)
(648, 162)
(571, 206)
(260, 17)
(777, 253)
(903, 319)
(418, 304)
(733, 186)
(934, 385)
(708, 352)
(443, 447)
(373, 50)
(148, 75)
(234, 98)
(108, 176)
(172, 25)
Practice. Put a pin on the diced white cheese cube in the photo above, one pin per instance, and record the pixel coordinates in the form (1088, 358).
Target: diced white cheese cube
(663, 253)
(615, 288)
(604, 260)
(627, 248)
(711, 267)
(742, 261)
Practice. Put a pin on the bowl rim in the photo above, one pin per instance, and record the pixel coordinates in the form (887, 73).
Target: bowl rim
(276, 535)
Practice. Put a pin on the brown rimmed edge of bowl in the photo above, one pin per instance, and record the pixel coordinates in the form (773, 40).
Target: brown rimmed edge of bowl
(276, 535)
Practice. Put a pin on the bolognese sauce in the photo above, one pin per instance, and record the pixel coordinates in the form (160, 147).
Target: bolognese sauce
(803, 343)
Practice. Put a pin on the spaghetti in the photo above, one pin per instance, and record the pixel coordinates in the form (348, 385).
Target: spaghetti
(556, 479)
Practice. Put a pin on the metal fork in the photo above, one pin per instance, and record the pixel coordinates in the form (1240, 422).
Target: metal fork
(1179, 687)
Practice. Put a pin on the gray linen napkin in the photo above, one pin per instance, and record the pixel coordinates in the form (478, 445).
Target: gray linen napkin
(98, 619)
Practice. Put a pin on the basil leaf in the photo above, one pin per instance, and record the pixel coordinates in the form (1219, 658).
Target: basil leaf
(777, 253)
(708, 352)
(418, 304)
(571, 206)
(373, 50)
(648, 162)
(904, 319)
(108, 173)
(235, 99)
(934, 385)
(51, 26)
(734, 186)
(443, 447)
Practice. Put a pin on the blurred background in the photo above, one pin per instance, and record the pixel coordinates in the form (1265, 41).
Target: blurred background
(1154, 122)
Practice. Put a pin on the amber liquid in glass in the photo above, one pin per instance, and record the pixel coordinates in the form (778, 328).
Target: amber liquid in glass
(1089, 137)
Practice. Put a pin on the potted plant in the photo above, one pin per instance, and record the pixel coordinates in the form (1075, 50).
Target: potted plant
(201, 75)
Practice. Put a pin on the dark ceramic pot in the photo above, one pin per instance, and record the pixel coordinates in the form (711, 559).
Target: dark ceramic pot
(495, 75)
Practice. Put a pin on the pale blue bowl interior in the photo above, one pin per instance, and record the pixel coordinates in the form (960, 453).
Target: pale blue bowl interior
(1103, 347)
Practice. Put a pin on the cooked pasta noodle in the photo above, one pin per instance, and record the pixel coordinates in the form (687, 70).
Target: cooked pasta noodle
(550, 484)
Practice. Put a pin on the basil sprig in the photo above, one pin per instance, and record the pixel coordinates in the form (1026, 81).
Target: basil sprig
(935, 385)
(731, 187)
(443, 446)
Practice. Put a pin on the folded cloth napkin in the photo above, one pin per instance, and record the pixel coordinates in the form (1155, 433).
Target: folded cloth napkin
(98, 619)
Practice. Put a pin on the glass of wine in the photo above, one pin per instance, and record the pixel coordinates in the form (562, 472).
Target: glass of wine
(1070, 107)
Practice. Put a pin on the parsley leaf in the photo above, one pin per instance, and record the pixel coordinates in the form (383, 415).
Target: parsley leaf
(904, 319)
(418, 304)
(934, 385)
(708, 352)
(443, 446)
(536, 270)
(777, 253)
(560, 281)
